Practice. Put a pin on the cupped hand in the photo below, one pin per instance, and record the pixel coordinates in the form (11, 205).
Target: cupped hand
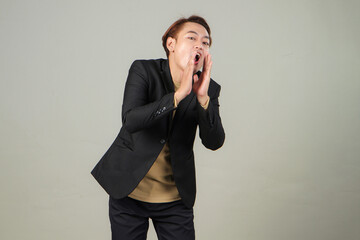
(201, 85)
(186, 79)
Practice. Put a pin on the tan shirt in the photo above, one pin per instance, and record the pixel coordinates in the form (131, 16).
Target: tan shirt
(158, 185)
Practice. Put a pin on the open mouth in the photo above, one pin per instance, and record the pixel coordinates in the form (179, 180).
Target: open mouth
(197, 58)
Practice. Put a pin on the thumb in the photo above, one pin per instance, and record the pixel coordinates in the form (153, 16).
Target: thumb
(196, 78)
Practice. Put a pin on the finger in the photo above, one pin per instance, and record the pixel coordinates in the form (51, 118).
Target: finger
(189, 70)
(206, 54)
(191, 63)
(192, 58)
(205, 63)
(209, 63)
(208, 57)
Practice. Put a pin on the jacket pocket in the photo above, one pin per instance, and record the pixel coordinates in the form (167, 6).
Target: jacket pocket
(124, 139)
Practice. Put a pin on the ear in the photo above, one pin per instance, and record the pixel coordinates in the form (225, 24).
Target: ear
(170, 44)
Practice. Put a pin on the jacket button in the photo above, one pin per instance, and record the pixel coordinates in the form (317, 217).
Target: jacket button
(162, 141)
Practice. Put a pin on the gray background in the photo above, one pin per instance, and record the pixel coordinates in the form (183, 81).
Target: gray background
(290, 105)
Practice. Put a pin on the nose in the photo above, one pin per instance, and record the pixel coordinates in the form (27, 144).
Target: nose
(199, 46)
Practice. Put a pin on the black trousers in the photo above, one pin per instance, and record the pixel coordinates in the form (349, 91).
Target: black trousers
(129, 219)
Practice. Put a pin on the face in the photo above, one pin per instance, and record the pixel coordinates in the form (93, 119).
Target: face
(192, 37)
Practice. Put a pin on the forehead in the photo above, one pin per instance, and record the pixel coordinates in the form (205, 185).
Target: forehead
(195, 27)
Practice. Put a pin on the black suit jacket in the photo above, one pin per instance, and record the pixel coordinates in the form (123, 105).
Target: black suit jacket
(147, 124)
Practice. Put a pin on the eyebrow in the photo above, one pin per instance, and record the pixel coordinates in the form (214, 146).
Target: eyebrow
(197, 34)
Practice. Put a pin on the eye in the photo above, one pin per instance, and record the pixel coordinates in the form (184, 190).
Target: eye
(206, 43)
(192, 38)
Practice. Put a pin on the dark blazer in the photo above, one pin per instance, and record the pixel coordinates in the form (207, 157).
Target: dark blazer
(147, 125)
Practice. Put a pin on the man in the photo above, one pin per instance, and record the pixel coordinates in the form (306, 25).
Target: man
(149, 169)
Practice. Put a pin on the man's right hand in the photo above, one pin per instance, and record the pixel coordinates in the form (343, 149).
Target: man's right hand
(186, 80)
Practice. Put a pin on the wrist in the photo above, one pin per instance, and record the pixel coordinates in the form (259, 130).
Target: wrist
(203, 99)
(177, 97)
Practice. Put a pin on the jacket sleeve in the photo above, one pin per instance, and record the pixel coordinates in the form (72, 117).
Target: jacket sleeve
(211, 132)
(137, 112)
